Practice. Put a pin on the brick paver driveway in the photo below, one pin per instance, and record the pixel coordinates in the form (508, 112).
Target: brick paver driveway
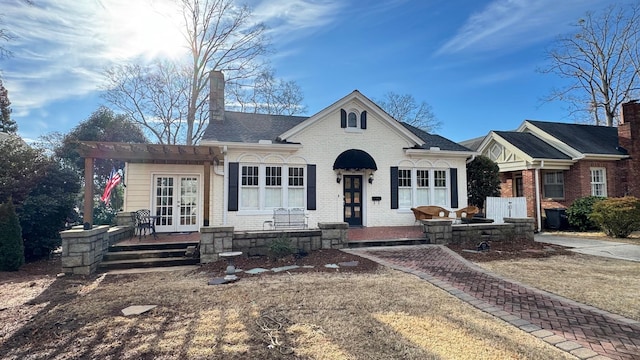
(582, 330)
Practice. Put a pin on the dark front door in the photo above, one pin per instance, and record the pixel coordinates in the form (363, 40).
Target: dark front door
(353, 199)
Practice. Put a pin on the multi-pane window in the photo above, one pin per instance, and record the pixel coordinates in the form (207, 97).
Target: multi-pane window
(553, 185)
(440, 187)
(250, 189)
(273, 187)
(352, 120)
(422, 187)
(418, 187)
(296, 187)
(404, 188)
(598, 182)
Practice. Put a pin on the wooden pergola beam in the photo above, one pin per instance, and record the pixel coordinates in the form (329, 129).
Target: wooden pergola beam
(154, 153)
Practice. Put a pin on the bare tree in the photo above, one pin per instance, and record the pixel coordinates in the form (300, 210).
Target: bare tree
(155, 97)
(267, 95)
(600, 59)
(406, 109)
(219, 36)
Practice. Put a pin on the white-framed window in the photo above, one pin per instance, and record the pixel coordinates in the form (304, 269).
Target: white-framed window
(265, 187)
(417, 187)
(423, 191)
(273, 187)
(296, 187)
(440, 188)
(599, 182)
(553, 185)
(404, 188)
(352, 120)
(249, 187)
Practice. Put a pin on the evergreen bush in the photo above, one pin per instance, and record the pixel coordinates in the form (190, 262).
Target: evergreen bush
(579, 211)
(617, 217)
(11, 248)
(281, 247)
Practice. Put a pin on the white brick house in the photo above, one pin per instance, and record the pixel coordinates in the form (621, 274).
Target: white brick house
(349, 162)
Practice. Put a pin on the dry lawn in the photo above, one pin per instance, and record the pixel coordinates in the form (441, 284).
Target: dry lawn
(383, 315)
(608, 284)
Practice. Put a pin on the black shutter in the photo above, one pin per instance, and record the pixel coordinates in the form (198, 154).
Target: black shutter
(454, 187)
(363, 120)
(233, 186)
(311, 187)
(343, 118)
(394, 187)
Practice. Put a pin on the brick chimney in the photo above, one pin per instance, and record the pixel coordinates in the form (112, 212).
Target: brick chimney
(216, 96)
(629, 139)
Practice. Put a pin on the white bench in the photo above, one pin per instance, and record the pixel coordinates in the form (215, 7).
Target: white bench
(294, 218)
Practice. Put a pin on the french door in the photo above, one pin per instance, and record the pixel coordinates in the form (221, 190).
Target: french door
(352, 199)
(176, 202)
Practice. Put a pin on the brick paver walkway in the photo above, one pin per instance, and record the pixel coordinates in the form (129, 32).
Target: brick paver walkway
(582, 330)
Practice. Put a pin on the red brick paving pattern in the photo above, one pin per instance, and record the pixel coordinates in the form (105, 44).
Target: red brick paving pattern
(530, 309)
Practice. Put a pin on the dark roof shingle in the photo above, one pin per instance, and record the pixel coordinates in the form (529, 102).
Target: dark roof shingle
(431, 140)
(249, 127)
(532, 145)
(587, 139)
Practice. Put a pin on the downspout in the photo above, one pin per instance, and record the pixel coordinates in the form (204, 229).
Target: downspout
(225, 184)
(538, 210)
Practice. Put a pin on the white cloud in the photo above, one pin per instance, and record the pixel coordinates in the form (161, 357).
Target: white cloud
(507, 25)
(61, 47)
(292, 19)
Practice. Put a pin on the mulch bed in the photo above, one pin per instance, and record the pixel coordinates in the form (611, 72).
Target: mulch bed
(508, 250)
(318, 259)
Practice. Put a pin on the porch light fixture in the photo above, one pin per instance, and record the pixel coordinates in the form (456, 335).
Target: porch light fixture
(371, 178)
(339, 178)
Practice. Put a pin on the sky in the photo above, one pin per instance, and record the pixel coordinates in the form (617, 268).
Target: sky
(474, 61)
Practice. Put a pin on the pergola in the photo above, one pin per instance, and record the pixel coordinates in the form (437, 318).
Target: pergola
(146, 153)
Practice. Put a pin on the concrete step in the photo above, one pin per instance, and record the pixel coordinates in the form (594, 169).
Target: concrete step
(143, 254)
(388, 242)
(148, 263)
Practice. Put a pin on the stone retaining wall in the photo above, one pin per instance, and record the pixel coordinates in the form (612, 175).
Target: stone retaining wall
(444, 232)
(82, 250)
(217, 239)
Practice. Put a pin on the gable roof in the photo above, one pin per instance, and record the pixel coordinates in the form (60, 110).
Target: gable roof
(586, 139)
(239, 127)
(531, 145)
(250, 127)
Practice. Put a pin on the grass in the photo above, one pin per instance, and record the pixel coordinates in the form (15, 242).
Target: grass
(383, 315)
(608, 284)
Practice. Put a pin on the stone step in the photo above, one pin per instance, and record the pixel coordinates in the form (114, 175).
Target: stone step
(148, 263)
(152, 246)
(143, 254)
(388, 242)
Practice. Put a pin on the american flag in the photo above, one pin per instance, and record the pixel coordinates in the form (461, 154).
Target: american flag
(114, 179)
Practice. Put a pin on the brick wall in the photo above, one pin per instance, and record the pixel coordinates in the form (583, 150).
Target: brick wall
(628, 136)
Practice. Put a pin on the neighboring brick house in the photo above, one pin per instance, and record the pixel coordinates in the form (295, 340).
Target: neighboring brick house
(349, 162)
(552, 164)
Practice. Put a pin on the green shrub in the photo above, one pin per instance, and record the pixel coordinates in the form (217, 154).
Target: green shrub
(617, 217)
(46, 209)
(578, 213)
(281, 247)
(11, 248)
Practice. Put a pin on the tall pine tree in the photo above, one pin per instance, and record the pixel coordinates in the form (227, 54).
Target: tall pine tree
(6, 124)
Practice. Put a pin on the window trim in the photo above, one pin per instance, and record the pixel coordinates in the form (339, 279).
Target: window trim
(431, 188)
(544, 184)
(603, 183)
(262, 186)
